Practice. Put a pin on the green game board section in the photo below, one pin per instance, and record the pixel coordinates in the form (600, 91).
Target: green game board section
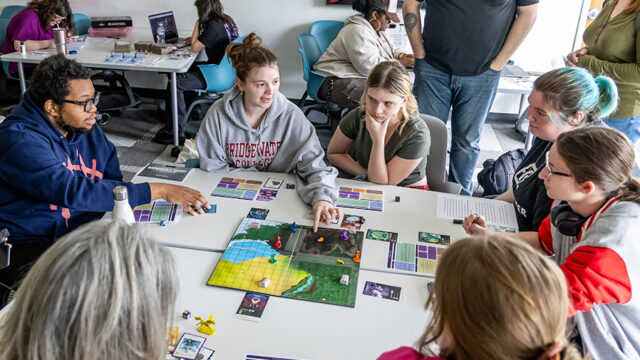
(228, 192)
(160, 213)
(353, 202)
(325, 284)
(406, 252)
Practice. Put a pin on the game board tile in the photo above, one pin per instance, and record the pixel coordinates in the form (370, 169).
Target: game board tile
(342, 188)
(366, 196)
(358, 190)
(240, 180)
(432, 253)
(228, 179)
(371, 191)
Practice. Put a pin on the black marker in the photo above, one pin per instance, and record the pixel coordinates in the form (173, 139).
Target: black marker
(457, 221)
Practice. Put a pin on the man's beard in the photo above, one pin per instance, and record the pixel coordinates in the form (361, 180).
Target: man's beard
(70, 129)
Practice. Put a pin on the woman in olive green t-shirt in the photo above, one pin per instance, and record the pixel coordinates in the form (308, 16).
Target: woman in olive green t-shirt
(385, 138)
(613, 49)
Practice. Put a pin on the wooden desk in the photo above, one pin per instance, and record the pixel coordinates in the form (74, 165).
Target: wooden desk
(415, 212)
(93, 56)
(300, 329)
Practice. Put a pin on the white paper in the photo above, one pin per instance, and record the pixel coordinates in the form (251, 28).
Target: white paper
(494, 211)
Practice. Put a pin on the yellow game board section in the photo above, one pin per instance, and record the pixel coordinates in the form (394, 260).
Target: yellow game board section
(426, 266)
(148, 206)
(248, 186)
(247, 274)
(367, 196)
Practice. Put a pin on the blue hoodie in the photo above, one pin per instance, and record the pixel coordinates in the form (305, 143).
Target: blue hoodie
(50, 185)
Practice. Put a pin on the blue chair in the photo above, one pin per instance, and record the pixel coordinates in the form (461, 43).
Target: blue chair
(219, 77)
(325, 31)
(83, 23)
(9, 11)
(4, 22)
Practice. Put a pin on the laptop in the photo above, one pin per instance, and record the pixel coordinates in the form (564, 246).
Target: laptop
(170, 29)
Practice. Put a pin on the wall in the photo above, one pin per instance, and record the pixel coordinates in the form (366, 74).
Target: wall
(278, 22)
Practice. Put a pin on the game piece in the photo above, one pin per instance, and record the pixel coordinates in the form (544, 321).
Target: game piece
(252, 306)
(360, 199)
(163, 223)
(320, 239)
(291, 186)
(277, 244)
(397, 198)
(344, 279)
(381, 235)
(264, 283)
(237, 188)
(356, 259)
(345, 235)
(189, 346)
(352, 220)
(211, 210)
(206, 326)
(382, 291)
(293, 226)
(306, 270)
(417, 258)
(352, 230)
(273, 259)
(186, 314)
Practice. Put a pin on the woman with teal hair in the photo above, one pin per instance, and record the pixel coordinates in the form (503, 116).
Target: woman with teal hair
(562, 100)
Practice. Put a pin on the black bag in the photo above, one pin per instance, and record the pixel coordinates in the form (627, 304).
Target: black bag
(496, 175)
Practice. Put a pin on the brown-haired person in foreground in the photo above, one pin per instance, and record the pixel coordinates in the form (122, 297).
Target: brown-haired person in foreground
(494, 298)
(255, 128)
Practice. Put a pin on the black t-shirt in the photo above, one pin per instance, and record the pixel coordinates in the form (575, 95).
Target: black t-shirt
(462, 37)
(215, 36)
(531, 201)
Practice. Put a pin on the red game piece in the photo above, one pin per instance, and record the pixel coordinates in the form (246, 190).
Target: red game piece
(277, 244)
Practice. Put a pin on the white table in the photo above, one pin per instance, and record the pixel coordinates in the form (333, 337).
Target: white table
(93, 55)
(300, 329)
(415, 212)
(519, 86)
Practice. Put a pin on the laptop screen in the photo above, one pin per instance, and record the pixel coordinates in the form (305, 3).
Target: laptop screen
(169, 22)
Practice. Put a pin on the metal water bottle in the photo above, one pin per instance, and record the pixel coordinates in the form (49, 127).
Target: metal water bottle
(60, 39)
(121, 208)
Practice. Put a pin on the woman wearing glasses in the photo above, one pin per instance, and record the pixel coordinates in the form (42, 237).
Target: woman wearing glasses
(33, 27)
(592, 232)
(562, 100)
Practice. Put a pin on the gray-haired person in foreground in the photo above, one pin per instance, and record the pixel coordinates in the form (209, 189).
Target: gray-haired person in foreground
(105, 290)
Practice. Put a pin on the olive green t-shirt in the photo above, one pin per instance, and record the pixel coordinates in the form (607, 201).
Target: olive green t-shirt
(411, 143)
(614, 50)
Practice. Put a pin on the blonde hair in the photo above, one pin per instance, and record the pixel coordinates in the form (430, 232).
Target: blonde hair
(501, 299)
(106, 290)
(393, 77)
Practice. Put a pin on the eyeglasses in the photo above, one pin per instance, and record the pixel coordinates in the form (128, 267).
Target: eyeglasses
(551, 172)
(87, 104)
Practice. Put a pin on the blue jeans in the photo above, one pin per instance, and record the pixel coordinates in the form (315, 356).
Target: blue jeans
(471, 98)
(630, 126)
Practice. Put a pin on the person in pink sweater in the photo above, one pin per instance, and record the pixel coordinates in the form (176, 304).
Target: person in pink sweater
(494, 298)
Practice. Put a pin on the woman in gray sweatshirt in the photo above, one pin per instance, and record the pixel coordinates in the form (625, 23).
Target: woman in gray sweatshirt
(255, 128)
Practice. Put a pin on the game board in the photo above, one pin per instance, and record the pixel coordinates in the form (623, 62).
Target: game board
(306, 269)
(237, 188)
(358, 198)
(419, 258)
(158, 211)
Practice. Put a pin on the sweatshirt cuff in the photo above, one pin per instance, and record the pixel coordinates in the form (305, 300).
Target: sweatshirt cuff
(321, 196)
(139, 194)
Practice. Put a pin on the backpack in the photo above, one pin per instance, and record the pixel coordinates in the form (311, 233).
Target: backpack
(496, 175)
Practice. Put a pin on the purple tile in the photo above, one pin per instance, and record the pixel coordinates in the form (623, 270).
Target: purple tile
(433, 253)
(422, 247)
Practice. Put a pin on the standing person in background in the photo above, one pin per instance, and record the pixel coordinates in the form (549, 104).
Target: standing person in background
(33, 26)
(360, 45)
(459, 56)
(213, 31)
(612, 49)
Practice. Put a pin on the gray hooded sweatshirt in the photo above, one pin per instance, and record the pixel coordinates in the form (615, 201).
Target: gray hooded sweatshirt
(285, 141)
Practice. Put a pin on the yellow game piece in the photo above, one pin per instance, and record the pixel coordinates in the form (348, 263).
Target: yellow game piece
(206, 326)
(320, 239)
(340, 262)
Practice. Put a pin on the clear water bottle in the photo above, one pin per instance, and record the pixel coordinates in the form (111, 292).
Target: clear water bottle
(160, 33)
(121, 209)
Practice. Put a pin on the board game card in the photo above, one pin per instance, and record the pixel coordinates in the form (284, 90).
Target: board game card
(265, 357)
(172, 337)
(432, 238)
(273, 183)
(309, 215)
(267, 194)
(252, 306)
(382, 235)
(206, 354)
(499, 228)
(256, 213)
(189, 346)
(352, 220)
(382, 290)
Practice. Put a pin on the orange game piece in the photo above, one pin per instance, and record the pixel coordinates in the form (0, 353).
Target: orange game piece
(320, 239)
(356, 259)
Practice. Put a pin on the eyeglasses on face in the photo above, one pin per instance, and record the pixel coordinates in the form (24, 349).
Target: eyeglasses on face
(551, 172)
(86, 104)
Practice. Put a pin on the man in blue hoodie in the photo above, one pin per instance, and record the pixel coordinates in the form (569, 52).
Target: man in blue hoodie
(58, 170)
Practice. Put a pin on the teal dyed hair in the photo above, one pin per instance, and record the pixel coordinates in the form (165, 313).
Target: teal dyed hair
(571, 90)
